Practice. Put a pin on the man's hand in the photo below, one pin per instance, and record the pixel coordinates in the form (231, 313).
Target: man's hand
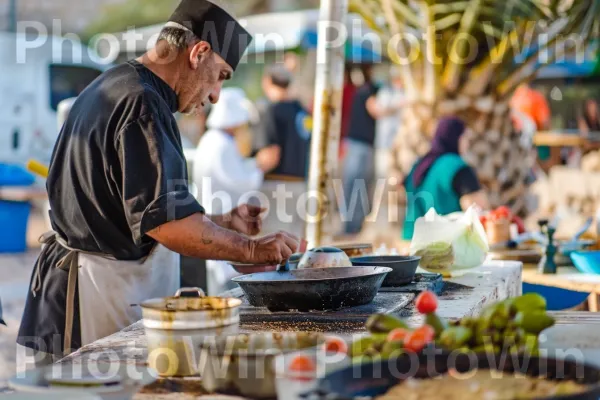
(246, 219)
(200, 237)
(274, 248)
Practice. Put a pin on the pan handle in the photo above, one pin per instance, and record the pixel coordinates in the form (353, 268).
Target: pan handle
(190, 292)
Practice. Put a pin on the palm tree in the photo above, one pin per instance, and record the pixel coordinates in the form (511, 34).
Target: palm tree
(466, 58)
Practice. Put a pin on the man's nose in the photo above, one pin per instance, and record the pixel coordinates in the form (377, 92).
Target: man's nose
(214, 95)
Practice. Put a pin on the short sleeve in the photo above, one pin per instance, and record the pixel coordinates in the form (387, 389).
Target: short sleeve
(272, 130)
(465, 182)
(154, 176)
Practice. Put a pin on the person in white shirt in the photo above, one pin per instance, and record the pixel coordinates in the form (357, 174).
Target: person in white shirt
(221, 173)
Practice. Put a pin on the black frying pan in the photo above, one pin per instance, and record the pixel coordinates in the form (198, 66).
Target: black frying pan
(313, 289)
(403, 267)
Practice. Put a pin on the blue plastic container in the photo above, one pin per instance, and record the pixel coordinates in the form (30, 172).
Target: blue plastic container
(556, 298)
(13, 220)
(587, 262)
(14, 215)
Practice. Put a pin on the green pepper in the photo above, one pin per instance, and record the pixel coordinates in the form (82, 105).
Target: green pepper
(384, 323)
(533, 322)
(438, 324)
(392, 349)
(529, 302)
(455, 337)
(359, 346)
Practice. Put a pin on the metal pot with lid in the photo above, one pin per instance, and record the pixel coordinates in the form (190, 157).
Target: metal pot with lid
(176, 327)
(324, 257)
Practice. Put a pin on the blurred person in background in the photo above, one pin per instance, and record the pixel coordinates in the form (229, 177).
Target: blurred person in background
(589, 118)
(287, 127)
(221, 173)
(442, 179)
(348, 92)
(589, 121)
(359, 159)
(534, 105)
(390, 99)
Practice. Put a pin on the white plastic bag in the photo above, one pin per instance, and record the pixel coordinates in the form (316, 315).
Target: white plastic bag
(447, 244)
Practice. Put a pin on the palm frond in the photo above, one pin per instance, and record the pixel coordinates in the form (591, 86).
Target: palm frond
(455, 63)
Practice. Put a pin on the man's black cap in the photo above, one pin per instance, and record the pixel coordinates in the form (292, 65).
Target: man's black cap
(214, 25)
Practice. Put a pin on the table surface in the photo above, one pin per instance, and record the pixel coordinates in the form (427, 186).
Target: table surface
(493, 281)
(565, 278)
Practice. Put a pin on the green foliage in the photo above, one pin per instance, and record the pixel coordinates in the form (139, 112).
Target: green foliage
(500, 30)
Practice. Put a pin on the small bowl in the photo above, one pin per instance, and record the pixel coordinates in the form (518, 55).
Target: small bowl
(356, 250)
(324, 257)
(245, 365)
(246, 269)
(566, 248)
(291, 385)
(587, 262)
(403, 267)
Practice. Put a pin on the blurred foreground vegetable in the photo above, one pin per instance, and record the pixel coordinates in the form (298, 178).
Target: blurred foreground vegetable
(512, 325)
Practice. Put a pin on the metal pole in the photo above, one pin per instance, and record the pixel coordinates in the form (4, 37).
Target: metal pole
(12, 16)
(327, 117)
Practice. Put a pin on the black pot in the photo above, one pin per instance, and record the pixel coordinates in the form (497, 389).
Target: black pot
(403, 267)
(376, 378)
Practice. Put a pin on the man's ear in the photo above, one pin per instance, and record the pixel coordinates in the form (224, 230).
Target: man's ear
(199, 51)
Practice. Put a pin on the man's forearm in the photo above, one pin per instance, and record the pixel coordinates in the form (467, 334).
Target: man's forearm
(198, 236)
(223, 220)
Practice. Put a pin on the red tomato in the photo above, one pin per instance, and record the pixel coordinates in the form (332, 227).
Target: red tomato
(427, 332)
(415, 342)
(335, 345)
(426, 302)
(302, 368)
(503, 212)
(483, 220)
(398, 334)
(302, 363)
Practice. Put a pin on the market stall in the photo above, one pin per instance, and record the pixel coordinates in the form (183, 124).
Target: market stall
(459, 297)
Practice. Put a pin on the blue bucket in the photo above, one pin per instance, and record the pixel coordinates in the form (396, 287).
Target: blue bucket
(13, 220)
(14, 215)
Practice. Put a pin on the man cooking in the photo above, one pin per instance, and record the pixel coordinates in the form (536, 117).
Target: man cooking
(121, 209)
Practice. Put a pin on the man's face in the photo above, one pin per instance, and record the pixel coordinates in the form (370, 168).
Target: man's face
(205, 79)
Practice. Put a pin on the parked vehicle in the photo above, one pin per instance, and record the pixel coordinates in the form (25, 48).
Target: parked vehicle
(37, 74)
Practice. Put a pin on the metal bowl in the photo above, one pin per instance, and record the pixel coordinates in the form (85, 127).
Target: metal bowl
(356, 250)
(324, 257)
(244, 364)
(403, 267)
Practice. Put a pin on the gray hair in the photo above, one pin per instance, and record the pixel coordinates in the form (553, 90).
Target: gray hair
(177, 36)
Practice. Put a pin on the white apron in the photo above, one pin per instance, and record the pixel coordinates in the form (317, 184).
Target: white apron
(110, 290)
